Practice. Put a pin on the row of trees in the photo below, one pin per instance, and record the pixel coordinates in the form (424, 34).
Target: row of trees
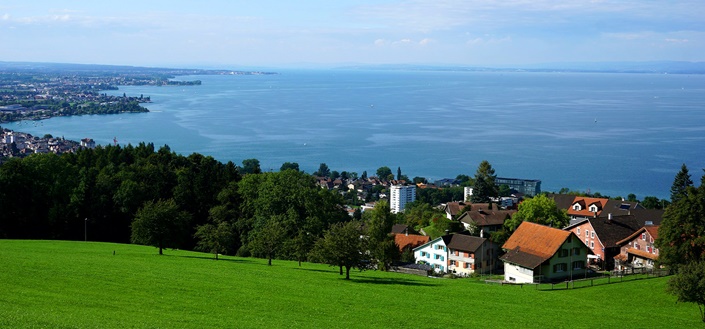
(157, 197)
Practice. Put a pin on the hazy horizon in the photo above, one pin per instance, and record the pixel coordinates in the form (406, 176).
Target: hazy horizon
(317, 33)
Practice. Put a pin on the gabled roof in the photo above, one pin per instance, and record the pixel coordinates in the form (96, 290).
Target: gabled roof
(464, 242)
(532, 244)
(484, 217)
(586, 202)
(563, 201)
(445, 239)
(610, 231)
(399, 228)
(410, 241)
(453, 208)
(653, 231)
(642, 253)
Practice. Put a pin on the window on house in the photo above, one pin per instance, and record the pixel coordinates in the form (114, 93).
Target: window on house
(452, 262)
(576, 251)
(651, 239)
(587, 233)
(562, 267)
(592, 234)
(578, 265)
(593, 208)
(576, 206)
(564, 253)
(587, 242)
(592, 244)
(643, 236)
(578, 231)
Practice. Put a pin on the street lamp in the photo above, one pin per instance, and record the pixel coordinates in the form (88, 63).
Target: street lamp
(85, 229)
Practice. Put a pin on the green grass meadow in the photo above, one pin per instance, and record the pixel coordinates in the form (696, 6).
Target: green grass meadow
(60, 284)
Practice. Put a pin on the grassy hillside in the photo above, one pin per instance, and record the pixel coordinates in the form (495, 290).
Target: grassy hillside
(57, 284)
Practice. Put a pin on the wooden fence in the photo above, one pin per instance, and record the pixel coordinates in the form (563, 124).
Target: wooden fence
(615, 277)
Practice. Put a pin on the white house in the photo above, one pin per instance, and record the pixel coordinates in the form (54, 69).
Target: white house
(538, 253)
(434, 253)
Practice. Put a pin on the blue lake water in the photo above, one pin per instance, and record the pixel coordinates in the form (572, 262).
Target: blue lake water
(612, 133)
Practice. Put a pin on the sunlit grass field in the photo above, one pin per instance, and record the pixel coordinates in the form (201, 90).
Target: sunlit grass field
(59, 284)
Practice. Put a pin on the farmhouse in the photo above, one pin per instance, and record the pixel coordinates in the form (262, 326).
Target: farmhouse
(638, 250)
(434, 253)
(485, 219)
(538, 253)
(470, 254)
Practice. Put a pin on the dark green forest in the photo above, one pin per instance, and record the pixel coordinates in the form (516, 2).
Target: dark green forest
(95, 194)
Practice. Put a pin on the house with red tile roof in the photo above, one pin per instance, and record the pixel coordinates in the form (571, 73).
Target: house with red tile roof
(584, 207)
(537, 253)
(602, 234)
(407, 242)
(638, 250)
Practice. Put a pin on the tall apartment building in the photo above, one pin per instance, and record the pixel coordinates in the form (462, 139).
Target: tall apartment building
(400, 196)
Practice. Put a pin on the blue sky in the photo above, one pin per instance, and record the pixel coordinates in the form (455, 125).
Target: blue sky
(233, 33)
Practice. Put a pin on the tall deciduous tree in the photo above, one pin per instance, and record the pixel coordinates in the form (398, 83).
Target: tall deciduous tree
(160, 224)
(289, 166)
(250, 166)
(484, 187)
(381, 242)
(688, 285)
(681, 182)
(384, 172)
(268, 239)
(215, 237)
(539, 209)
(343, 245)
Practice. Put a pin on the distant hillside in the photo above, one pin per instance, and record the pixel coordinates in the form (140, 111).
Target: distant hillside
(83, 69)
(669, 67)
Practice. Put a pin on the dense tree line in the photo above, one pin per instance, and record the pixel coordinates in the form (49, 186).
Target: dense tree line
(157, 197)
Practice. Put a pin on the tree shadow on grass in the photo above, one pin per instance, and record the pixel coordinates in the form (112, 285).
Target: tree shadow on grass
(211, 257)
(331, 270)
(395, 281)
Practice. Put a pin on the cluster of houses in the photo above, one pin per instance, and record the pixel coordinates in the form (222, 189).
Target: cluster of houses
(602, 234)
(19, 144)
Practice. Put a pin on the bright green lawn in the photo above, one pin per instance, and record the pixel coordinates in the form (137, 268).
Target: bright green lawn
(57, 284)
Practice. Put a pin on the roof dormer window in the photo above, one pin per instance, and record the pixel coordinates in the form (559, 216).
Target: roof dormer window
(577, 207)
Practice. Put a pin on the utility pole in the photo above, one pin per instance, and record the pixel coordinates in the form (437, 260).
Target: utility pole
(85, 230)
